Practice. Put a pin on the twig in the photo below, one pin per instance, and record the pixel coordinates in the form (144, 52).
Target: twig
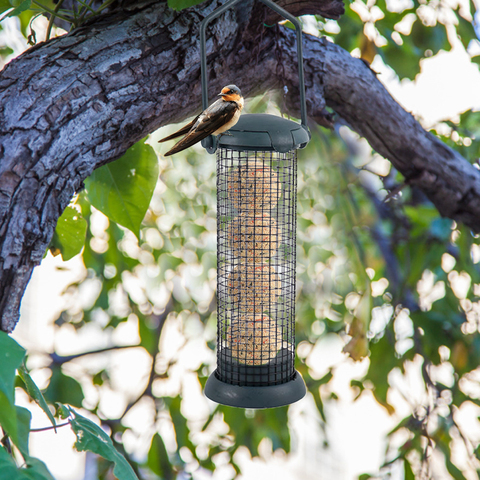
(49, 428)
(395, 192)
(60, 360)
(5, 441)
(148, 389)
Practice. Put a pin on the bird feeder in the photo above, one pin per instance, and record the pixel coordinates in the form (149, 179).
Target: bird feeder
(256, 251)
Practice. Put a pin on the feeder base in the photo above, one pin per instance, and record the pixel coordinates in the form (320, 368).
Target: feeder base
(255, 397)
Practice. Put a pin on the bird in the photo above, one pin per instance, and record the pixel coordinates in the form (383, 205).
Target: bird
(217, 119)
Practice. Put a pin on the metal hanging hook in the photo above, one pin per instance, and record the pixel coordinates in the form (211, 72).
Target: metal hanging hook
(210, 143)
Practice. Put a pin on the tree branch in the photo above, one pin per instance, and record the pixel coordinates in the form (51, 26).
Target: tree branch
(77, 102)
(61, 359)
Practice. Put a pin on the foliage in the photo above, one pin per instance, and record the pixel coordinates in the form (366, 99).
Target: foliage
(402, 33)
(396, 284)
(123, 190)
(15, 423)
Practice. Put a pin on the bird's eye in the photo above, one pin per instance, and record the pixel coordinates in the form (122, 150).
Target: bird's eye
(231, 91)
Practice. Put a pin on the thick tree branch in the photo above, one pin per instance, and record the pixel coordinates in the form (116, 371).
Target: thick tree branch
(77, 102)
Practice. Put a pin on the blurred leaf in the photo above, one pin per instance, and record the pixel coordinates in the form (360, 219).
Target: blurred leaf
(11, 357)
(465, 31)
(5, 51)
(90, 437)
(357, 347)
(35, 393)
(19, 6)
(408, 475)
(382, 362)
(368, 50)
(158, 460)
(182, 4)
(64, 389)
(182, 432)
(69, 236)
(122, 190)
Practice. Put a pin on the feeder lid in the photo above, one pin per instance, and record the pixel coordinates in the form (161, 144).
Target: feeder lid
(259, 131)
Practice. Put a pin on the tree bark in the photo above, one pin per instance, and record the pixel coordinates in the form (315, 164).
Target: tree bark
(77, 102)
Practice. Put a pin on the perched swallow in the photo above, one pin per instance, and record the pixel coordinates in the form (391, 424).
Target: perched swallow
(219, 117)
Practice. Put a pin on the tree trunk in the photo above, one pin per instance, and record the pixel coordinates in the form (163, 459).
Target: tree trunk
(77, 102)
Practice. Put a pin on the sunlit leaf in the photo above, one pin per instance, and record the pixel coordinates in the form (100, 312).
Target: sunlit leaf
(122, 190)
(69, 236)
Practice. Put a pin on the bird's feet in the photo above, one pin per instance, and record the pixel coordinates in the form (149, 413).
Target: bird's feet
(224, 133)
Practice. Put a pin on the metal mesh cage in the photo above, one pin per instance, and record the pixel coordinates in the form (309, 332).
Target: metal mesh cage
(256, 255)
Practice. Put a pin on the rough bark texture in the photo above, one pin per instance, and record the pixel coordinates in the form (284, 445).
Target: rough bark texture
(77, 102)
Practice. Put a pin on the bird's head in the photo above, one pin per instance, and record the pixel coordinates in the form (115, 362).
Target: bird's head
(231, 93)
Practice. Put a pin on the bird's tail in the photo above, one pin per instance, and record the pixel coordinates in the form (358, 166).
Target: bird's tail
(186, 142)
(183, 131)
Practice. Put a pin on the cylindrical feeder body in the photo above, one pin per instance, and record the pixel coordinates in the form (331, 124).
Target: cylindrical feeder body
(256, 260)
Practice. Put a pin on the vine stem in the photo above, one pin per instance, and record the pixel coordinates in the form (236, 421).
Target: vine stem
(49, 428)
(52, 18)
(52, 12)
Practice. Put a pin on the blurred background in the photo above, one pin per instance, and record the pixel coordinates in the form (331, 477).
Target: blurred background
(387, 307)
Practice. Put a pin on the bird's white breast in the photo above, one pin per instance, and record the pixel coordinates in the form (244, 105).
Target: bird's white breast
(229, 124)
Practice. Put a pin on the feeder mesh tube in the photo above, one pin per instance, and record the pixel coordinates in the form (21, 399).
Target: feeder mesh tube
(256, 258)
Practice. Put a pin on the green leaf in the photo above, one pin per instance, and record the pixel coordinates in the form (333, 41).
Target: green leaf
(11, 357)
(69, 236)
(409, 475)
(8, 466)
(35, 468)
(90, 437)
(61, 411)
(465, 31)
(24, 417)
(35, 393)
(122, 190)
(64, 389)
(182, 4)
(454, 471)
(158, 460)
(20, 7)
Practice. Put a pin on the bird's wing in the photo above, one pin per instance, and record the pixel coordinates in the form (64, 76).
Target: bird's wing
(184, 130)
(215, 116)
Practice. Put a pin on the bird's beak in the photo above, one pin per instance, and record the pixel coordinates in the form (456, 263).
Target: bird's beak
(222, 94)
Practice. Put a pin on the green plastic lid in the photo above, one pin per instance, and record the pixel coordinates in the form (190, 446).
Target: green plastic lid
(260, 131)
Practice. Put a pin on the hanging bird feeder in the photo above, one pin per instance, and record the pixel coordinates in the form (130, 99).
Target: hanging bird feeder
(256, 251)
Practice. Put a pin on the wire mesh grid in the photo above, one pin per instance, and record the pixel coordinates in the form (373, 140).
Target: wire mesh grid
(256, 258)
